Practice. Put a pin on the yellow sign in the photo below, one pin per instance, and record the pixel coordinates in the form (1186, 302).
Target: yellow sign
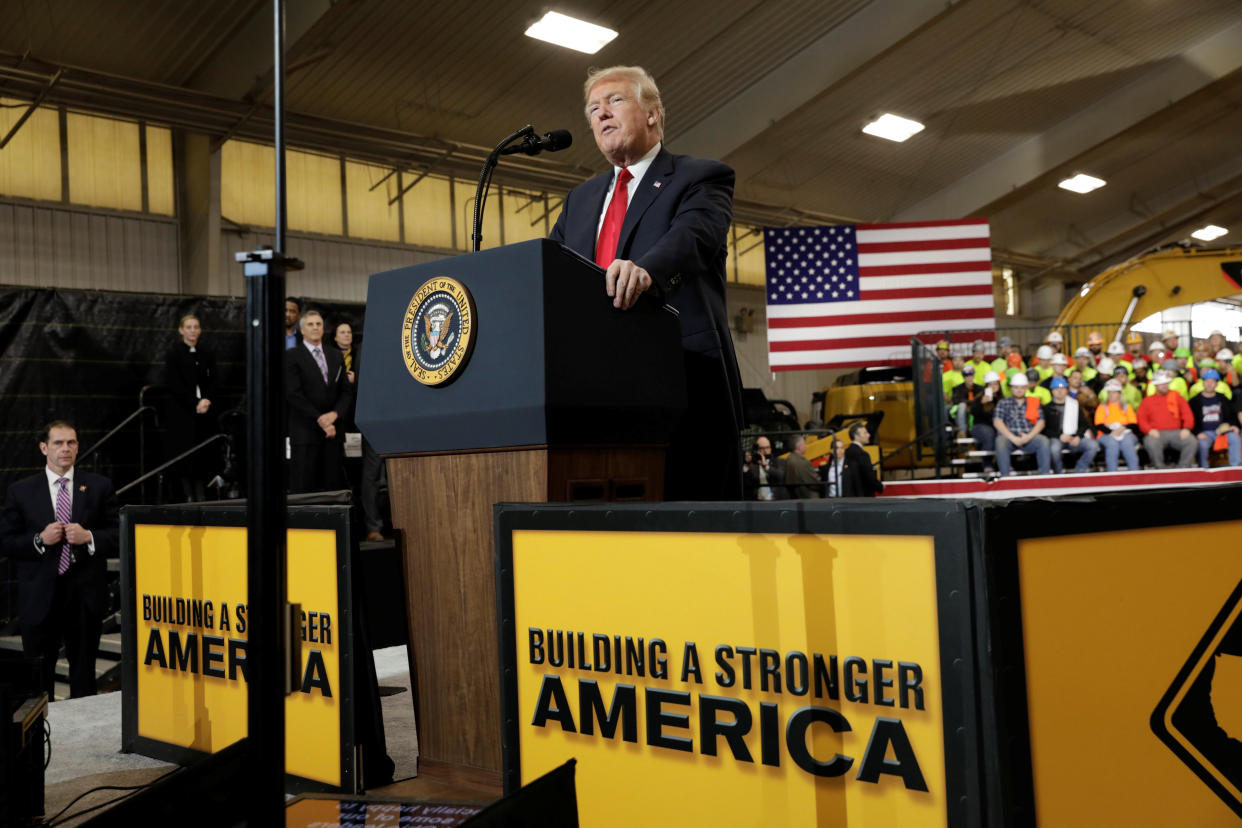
(191, 612)
(1109, 619)
(437, 332)
(732, 679)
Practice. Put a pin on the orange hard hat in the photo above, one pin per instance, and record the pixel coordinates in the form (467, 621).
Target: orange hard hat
(1014, 360)
(1094, 338)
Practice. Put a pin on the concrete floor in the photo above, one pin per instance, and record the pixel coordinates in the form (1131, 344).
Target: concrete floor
(86, 742)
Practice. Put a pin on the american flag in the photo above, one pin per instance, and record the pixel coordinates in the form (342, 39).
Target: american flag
(852, 296)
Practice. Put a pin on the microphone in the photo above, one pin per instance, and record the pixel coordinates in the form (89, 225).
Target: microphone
(557, 139)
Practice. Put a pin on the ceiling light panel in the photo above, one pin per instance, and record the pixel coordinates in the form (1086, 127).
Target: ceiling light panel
(570, 32)
(1082, 183)
(1209, 233)
(893, 127)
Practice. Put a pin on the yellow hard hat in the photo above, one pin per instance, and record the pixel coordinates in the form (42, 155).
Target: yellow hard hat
(1134, 338)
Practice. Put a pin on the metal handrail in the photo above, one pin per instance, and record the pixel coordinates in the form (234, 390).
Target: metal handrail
(160, 469)
(137, 413)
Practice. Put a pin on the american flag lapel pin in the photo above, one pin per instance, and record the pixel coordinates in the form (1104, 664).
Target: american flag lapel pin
(656, 185)
(82, 488)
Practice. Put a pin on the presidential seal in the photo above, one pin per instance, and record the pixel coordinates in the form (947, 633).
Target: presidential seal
(437, 333)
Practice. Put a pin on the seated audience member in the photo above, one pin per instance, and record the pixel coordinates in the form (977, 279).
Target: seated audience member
(1083, 393)
(1170, 340)
(1085, 364)
(1166, 422)
(1003, 361)
(1095, 344)
(1105, 370)
(1059, 363)
(860, 477)
(1041, 364)
(1068, 429)
(1018, 421)
(835, 469)
(1129, 392)
(1141, 379)
(801, 479)
(1034, 389)
(1115, 416)
(980, 365)
(1215, 421)
(962, 396)
(1134, 346)
(951, 376)
(1227, 368)
(1055, 341)
(982, 410)
(1115, 351)
(1185, 366)
(1215, 341)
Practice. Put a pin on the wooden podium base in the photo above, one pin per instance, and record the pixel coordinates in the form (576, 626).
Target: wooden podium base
(442, 505)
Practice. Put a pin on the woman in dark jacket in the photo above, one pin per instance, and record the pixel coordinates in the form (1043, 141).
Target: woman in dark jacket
(190, 377)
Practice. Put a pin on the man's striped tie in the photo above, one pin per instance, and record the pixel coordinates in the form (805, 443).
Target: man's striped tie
(64, 515)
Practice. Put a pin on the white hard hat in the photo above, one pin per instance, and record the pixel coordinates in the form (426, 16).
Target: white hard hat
(1112, 385)
(1115, 347)
(1083, 351)
(1224, 353)
(1055, 336)
(1106, 366)
(1156, 347)
(1162, 378)
(1043, 352)
(1059, 359)
(991, 376)
(1018, 379)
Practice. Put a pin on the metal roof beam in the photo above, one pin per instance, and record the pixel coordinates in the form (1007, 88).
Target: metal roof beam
(1207, 61)
(246, 58)
(810, 72)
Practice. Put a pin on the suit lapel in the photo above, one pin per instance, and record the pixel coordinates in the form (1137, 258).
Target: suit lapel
(649, 189)
(42, 496)
(581, 236)
(78, 507)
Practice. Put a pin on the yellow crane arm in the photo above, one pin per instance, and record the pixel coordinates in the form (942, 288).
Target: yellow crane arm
(1136, 289)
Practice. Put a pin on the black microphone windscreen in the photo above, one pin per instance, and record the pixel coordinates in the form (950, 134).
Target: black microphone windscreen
(558, 139)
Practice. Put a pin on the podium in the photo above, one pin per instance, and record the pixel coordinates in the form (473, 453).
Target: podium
(560, 397)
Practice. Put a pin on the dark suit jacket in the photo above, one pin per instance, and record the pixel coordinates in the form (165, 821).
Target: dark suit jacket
(27, 509)
(859, 478)
(308, 396)
(676, 228)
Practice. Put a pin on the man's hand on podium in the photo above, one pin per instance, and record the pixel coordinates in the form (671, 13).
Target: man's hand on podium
(625, 282)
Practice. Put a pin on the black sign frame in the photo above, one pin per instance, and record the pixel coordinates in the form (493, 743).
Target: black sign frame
(335, 518)
(948, 523)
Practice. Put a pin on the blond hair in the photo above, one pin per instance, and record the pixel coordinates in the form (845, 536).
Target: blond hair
(644, 88)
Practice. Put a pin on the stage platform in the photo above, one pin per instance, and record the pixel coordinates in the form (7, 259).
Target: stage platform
(1048, 485)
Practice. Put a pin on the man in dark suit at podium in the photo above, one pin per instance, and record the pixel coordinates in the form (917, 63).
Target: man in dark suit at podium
(60, 525)
(659, 222)
(319, 393)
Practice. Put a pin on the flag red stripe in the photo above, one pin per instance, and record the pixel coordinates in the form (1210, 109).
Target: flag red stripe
(923, 293)
(931, 267)
(899, 224)
(870, 363)
(936, 244)
(839, 344)
(868, 318)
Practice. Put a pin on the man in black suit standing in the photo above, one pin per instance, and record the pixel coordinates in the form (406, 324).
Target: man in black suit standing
(61, 525)
(319, 393)
(860, 479)
(659, 222)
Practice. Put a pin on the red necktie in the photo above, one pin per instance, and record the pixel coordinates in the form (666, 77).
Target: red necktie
(610, 233)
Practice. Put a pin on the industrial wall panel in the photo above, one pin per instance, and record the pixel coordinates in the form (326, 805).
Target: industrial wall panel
(335, 270)
(161, 194)
(521, 208)
(428, 212)
(313, 192)
(464, 192)
(247, 183)
(52, 246)
(30, 162)
(104, 162)
(370, 214)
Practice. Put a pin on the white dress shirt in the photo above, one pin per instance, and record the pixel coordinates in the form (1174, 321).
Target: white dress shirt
(638, 169)
(53, 489)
